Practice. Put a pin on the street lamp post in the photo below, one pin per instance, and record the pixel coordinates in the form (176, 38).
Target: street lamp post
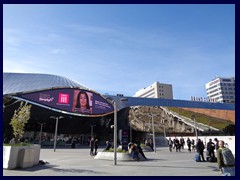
(164, 130)
(130, 131)
(56, 127)
(40, 139)
(92, 130)
(153, 131)
(195, 126)
(114, 102)
(115, 132)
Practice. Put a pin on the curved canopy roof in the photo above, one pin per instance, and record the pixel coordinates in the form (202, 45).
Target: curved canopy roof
(133, 101)
(27, 82)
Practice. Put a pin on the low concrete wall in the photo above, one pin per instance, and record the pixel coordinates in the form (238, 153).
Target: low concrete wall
(120, 156)
(20, 156)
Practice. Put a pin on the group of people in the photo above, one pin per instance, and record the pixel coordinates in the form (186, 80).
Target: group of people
(93, 144)
(210, 147)
(176, 144)
(149, 142)
(136, 151)
(108, 145)
(225, 158)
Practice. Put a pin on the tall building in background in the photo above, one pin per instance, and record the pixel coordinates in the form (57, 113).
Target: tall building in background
(156, 90)
(221, 89)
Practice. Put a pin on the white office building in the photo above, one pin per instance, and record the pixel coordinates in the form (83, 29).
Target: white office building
(221, 89)
(156, 90)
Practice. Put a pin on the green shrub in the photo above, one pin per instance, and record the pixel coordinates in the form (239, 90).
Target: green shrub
(19, 119)
(142, 145)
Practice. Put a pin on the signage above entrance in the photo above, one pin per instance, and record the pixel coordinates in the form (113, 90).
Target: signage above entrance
(77, 101)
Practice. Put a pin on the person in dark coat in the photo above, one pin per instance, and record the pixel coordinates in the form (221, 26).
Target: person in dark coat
(177, 145)
(108, 145)
(140, 151)
(91, 145)
(133, 151)
(189, 144)
(170, 144)
(200, 148)
(211, 148)
(95, 146)
(216, 144)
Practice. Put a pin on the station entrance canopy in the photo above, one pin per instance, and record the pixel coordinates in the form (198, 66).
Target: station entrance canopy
(67, 101)
(135, 101)
(56, 96)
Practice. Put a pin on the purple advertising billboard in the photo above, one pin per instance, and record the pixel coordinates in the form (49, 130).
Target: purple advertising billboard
(71, 100)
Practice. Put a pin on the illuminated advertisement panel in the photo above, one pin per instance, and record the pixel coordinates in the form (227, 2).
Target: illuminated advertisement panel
(71, 100)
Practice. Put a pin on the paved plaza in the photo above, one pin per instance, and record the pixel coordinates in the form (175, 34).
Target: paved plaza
(78, 162)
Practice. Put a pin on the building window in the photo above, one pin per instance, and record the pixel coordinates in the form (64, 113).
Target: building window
(226, 80)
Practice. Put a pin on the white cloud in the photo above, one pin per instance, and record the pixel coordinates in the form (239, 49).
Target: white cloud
(11, 66)
(57, 51)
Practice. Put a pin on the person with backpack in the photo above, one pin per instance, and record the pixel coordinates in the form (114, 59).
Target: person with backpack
(226, 160)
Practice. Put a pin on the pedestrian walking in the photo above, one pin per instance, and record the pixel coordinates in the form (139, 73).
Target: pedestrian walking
(189, 144)
(91, 145)
(95, 146)
(170, 144)
(226, 160)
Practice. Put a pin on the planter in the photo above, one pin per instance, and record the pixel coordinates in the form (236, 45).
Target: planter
(120, 156)
(110, 156)
(36, 148)
(20, 156)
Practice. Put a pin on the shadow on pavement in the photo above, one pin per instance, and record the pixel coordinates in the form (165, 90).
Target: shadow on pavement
(55, 169)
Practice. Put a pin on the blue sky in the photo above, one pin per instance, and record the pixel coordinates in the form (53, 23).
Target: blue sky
(122, 48)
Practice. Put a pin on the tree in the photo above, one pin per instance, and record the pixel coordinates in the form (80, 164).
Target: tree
(19, 119)
(229, 130)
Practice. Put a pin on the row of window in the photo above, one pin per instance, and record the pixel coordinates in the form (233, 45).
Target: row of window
(225, 97)
(220, 85)
(227, 80)
(151, 91)
(220, 89)
(148, 94)
(226, 92)
(213, 87)
(227, 84)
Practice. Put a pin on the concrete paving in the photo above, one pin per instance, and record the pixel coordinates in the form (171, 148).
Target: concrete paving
(78, 162)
